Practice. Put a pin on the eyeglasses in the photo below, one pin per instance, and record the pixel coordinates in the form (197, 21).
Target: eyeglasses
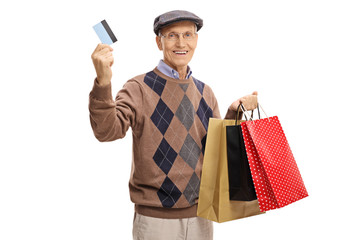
(173, 36)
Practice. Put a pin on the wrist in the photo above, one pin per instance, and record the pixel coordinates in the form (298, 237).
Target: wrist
(102, 81)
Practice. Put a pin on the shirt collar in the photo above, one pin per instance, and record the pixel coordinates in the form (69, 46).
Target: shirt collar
(170, 72)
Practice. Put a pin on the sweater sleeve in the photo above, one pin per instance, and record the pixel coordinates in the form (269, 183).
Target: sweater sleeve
(231, 114)
(111, 119)
(216, 110)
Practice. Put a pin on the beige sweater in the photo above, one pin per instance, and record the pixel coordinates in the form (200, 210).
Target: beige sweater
(169, 120)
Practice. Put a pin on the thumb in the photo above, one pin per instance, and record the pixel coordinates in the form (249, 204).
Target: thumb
(255, 93)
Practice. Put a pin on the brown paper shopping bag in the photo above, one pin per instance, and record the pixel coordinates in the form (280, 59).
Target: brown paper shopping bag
(214, 201)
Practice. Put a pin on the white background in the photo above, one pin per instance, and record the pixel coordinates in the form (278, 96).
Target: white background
(58, 182)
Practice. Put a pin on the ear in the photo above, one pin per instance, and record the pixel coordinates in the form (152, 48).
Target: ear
(158, 42)
(197, 35)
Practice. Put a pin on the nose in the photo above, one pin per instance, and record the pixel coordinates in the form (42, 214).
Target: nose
(180, 42)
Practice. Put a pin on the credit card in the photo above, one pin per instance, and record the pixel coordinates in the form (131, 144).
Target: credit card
(104, 32)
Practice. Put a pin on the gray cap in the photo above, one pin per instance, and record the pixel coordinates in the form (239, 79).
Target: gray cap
(176, 16)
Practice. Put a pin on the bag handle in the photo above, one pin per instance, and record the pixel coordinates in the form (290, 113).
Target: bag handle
(241, 114)
(251, 117)
(245, 111)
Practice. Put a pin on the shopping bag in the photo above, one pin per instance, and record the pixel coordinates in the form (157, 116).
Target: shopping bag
(276, 177)
(214, 203)
(241, 186)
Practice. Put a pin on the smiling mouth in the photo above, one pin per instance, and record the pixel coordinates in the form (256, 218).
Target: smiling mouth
(180, 52)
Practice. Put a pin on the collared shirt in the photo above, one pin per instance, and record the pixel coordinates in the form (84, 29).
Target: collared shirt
(170, 72)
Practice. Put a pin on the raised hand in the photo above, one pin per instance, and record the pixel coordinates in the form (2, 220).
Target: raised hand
(103, 60)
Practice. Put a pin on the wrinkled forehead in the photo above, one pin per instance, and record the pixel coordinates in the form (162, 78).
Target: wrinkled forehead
(182, 26)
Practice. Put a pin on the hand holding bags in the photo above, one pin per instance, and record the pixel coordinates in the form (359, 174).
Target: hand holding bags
(276, 177)
(214, 202)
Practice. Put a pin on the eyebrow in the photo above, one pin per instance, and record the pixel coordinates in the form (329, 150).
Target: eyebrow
(163, 33)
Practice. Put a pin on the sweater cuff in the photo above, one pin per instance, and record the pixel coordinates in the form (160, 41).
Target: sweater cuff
(101, 92)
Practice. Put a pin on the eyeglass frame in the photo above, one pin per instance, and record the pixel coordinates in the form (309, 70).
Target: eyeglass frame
(178, 35)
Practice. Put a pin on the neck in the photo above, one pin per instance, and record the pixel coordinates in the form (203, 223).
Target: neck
(182, 70)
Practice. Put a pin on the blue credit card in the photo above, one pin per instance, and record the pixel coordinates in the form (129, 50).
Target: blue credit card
(104, 32)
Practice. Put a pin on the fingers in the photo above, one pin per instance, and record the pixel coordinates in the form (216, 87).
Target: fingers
(101, 46)
(249, 101)
(101, 53)
(105, 50)
(100, 50)
(106, 54)
(103, 60)
(111, 61)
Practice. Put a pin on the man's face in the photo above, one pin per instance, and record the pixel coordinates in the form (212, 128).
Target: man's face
(178, 53)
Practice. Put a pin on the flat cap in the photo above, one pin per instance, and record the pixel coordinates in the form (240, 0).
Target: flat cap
(176, 16)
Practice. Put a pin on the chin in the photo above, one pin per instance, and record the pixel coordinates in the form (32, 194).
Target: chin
(181, 63)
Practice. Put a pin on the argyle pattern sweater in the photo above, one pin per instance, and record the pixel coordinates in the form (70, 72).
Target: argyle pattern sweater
(169, 120)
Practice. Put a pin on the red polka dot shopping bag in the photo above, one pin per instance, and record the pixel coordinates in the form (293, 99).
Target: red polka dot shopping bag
(275, 174)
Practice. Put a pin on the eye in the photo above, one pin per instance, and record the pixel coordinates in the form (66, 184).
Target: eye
(188, 34)
(171, 35)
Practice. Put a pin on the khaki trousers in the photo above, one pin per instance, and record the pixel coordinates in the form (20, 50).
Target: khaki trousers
(149, 228)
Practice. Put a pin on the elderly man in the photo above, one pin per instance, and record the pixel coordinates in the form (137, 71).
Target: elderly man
(168, 111)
